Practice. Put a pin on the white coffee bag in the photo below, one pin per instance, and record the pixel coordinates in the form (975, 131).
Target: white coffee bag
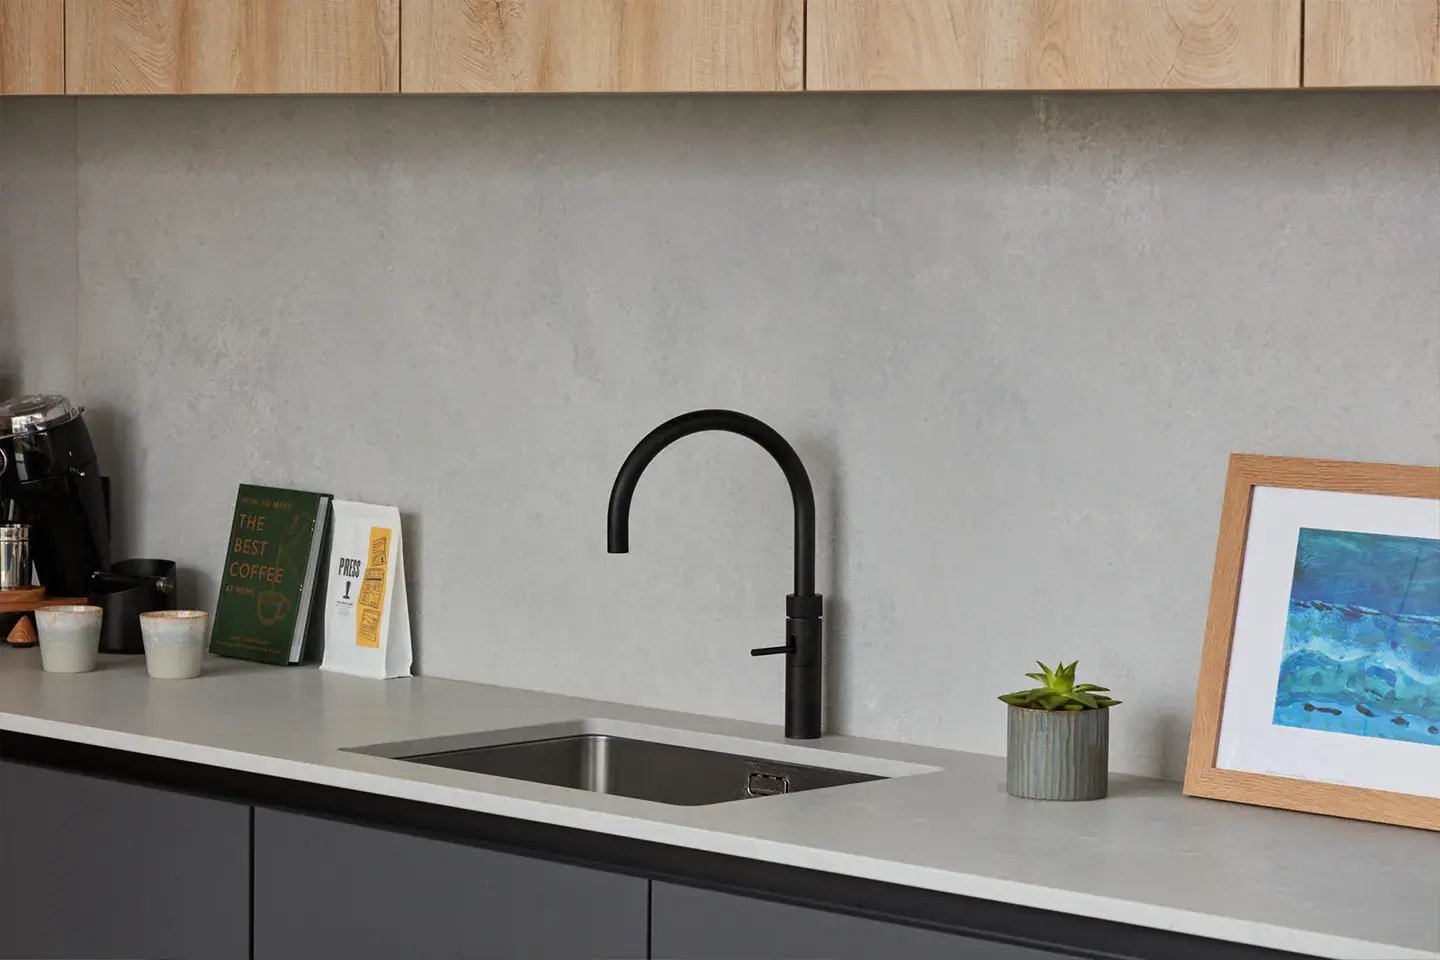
(367, 616)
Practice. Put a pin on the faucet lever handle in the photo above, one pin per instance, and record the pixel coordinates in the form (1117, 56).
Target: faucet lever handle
(771, 651)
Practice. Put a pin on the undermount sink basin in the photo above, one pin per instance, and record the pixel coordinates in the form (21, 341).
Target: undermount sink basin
(641, 769)
(620, 759)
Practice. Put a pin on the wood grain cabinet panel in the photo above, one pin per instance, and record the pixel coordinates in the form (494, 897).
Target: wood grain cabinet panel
(591, 46)
(1052, 44)
(32, 46)
(1372, 43)
(232, 46)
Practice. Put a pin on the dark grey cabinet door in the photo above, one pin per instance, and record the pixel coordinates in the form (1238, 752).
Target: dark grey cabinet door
(691, 924)
(99, 868)
(329, 889)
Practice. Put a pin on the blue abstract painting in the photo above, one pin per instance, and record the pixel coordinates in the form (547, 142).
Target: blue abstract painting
(1362, 638)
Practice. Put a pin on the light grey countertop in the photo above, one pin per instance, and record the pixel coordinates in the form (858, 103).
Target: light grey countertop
(1146, 855)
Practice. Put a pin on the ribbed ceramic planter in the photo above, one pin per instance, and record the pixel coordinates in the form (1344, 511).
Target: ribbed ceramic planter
(1058, 754)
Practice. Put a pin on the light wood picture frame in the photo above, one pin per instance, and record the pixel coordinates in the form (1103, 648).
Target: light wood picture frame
(1203, 776)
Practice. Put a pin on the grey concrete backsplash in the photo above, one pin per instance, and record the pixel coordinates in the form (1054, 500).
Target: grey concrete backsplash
(38, 237)
(1013, 338)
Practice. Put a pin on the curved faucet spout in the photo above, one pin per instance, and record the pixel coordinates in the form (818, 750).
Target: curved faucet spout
(730, 422)
(804, 609)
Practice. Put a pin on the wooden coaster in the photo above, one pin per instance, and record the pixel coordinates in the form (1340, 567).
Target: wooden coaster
(26, 599)
(21, 599)
(23, 634)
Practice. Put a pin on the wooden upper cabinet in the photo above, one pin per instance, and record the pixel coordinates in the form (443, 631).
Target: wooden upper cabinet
(1372, 43)
(232, 46)
(1052, 44)
(32, 46)
(555, 46)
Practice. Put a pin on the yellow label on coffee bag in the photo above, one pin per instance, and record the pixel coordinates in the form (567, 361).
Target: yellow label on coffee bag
(370, 604)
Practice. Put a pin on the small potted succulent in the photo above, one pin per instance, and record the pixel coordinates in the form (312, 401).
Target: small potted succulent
(1058, 738)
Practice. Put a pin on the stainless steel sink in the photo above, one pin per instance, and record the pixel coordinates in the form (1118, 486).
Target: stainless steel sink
(619, 759)
(641, 769)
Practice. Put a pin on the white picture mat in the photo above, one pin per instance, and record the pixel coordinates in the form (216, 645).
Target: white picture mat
(1249, 739)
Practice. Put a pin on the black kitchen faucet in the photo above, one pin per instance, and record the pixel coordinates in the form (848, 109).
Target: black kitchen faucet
(803, 647)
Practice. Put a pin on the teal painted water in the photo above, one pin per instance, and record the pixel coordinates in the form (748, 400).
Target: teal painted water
(1362, 638)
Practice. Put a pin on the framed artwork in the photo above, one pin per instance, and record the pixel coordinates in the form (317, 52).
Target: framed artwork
(1320, 679)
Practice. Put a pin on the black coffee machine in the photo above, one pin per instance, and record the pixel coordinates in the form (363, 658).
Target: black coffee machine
(49, 479)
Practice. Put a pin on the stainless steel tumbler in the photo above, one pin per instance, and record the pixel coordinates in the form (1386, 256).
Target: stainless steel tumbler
(14, 556)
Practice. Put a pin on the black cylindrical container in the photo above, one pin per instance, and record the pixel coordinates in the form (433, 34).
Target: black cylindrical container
(131, 588)
(49, 480)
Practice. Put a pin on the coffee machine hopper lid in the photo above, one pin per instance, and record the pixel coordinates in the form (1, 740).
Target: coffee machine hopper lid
(35, 414)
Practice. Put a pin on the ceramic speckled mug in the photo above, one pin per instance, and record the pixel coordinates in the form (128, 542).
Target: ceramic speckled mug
(69, 637)
(174, 642)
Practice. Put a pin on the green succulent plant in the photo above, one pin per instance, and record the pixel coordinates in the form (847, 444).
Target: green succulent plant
(1060, 691)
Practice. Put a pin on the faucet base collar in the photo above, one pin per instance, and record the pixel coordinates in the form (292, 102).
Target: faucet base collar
(805, 606)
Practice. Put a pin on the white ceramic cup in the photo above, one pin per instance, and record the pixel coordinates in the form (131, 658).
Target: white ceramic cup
(174, 642)
(69, 638)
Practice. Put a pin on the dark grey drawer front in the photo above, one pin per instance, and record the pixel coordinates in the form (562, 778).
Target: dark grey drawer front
(98, 868)
(692, 924)
(330, 889)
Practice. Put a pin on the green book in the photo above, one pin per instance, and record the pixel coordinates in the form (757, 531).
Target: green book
(267, 587)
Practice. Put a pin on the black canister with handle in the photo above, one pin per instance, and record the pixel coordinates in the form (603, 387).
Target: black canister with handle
(130, 588)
